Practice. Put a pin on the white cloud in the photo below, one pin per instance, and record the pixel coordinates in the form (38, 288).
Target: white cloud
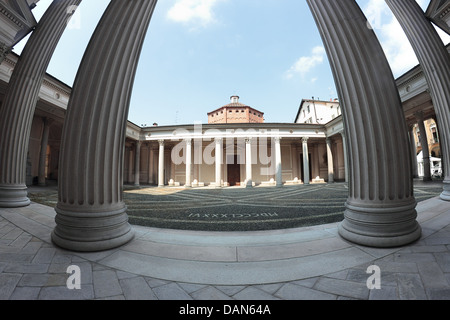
(396, 45)
(305, 64)
(193, 12)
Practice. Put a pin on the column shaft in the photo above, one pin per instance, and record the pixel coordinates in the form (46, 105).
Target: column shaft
(306, 172)
(413, 153)
(425, 149)
(278, 164)
(248, 162)
(380, 210)
(330, 161)
(16, 115)
(43, 153)
(91, 213)
(188, 163)
(435, 62)
(219, 161)
(161, 181)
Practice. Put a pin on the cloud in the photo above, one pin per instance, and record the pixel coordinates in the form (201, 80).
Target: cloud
(194, 12)
(305, 64)
(396, 45)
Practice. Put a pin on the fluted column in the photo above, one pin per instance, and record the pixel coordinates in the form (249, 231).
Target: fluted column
(16, 114)
(435, 62)
(161, 182)
(137, 164)
(43, 154)
(91, 213)
(380, 210)
(278, 164)
(344, 150)
(330, 162)
(188, 163)
(425, 149)
(248, 162)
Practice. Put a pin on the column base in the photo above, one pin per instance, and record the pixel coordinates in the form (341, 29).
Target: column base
(91, 231)
(13, 196)
(380, 226)
(445, 195)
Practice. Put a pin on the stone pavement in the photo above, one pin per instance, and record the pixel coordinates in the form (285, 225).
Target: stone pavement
(311, 263)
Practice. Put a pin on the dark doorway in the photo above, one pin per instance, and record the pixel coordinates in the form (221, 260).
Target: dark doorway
(234, 172)
(303, 171)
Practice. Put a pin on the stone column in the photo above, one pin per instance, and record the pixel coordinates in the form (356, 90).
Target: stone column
(413, 153)
(219, 162)
(91, 213)
(346, 164)
(161, 182)
(188, 163)
(278, 164)
(248, 162)
(330, 161)
(306, 172)
(43, 155)
(425, 149)
(16, 114)
(435, 62)
(380, 210)
(137, 164)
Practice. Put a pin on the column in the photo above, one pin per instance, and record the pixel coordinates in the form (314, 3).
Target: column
(161, 182)
(425, 149)
(380, 210)
(306, 172)
(16, 114)
(330, 161)
(248, 162)
(137, 164)
(435, 62)
(346, 164)
(413, 152)
(91, 213)
(278, 164)
(188, 163)
(43, 155)
(219, 162)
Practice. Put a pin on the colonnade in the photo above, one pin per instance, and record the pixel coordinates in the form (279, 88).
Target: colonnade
(218, 161)
(91, 215)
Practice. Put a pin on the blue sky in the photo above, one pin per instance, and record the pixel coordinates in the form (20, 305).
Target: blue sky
(198, 53)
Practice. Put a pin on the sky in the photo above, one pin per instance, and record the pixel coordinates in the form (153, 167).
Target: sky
(198, 53)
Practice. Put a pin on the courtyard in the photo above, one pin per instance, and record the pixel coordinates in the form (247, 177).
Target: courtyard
(236, 208)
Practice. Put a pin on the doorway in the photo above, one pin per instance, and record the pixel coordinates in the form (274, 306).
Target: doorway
(234, 172)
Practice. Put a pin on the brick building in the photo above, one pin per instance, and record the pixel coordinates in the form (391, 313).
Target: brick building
(235, 112)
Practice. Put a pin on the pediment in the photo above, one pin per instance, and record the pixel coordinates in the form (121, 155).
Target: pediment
(439, 12)
(16, 21)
